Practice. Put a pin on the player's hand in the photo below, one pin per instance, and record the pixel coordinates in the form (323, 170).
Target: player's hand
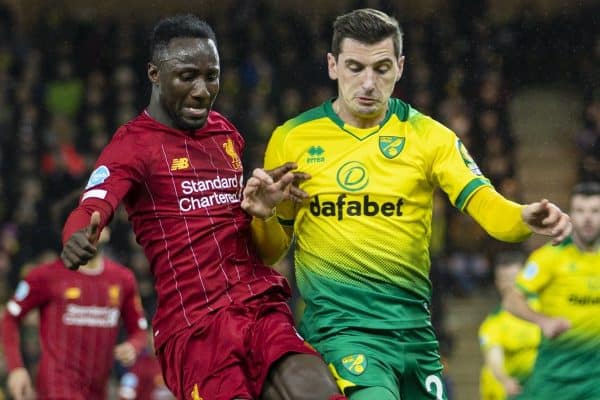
(553, 327)
(125, 354)
(19, 384)
(547, 219)
(511, 386)
(295, 193)
(81, 246)
(265, 189)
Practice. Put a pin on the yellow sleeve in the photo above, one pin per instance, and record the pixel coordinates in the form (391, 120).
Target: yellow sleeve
(275, 156)
(501, 218)
(270, 238)
(538, 271)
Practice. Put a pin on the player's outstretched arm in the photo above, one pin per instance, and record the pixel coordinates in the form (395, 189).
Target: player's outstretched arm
(19, 384)
(546, 218)
(516, 303)
(81, 246)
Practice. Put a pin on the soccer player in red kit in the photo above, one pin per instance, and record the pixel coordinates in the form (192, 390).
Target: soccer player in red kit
(79, 327)
(222, 328)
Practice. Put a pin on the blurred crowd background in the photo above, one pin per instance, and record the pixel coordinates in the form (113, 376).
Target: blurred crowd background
(70, 75)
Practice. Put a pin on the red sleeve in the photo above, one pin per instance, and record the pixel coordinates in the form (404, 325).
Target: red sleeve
(80, 217)
(32, 292)
(133, 316)
(119, 167)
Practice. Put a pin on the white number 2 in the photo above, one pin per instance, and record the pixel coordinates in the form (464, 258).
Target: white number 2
(434, 385)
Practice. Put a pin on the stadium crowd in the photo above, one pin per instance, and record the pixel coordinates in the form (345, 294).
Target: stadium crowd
(67, 85)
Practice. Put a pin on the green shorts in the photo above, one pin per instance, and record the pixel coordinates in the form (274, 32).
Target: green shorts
(564, 373)
(405, 362)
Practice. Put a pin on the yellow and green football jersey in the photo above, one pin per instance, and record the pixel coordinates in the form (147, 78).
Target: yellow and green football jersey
(362, 237)
(567, 282)
(519, 340)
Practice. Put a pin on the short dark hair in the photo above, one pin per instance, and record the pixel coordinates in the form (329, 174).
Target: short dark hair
(366, 25)
(178, 26)
(586, 189)
(506, 258)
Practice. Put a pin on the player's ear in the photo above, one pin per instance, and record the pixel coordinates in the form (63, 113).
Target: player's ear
(332, 66)
(153, 73)
(400, 67)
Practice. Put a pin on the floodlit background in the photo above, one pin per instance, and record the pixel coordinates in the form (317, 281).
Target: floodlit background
(518, 81)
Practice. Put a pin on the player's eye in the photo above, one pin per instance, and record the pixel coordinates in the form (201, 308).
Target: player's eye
(382, 69)
(187, 76)
(212, 76)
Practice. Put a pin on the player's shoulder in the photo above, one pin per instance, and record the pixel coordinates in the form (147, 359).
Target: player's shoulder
(422, 124)
(303, 119)
(46, 269)
(116, 268)
(550, 251)
(219, 121)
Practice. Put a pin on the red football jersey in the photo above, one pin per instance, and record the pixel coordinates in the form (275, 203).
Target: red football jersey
(79, 326)
(182, 191)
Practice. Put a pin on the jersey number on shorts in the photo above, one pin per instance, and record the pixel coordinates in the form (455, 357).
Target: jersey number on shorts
(434, 385)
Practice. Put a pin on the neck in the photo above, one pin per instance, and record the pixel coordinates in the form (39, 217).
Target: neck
(156, 111)
(362, 122)
(585, 246)
(94, 266)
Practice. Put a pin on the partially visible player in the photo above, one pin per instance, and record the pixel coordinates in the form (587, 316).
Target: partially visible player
(222, 327)
(144, 380)
(508, 343)
(362, 253)
(79, 326)
(567, 280)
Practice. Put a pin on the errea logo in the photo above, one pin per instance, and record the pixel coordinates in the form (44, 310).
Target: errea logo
(315, 155)
(180, 163)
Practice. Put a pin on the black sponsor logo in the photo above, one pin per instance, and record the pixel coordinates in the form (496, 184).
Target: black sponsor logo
(584, 300)
(354, 208)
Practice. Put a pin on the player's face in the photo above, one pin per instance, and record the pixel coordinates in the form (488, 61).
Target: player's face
(585, 216)
(366, 75)
(188, 81)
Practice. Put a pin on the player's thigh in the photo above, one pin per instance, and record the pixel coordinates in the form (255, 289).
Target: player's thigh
(206, 363)
(299, 377)
(422, 378)
(357, 368)
(370, 393)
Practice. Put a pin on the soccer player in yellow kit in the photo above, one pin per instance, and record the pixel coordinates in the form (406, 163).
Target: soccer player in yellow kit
(567, 280)
(362, 235)
(509, 344)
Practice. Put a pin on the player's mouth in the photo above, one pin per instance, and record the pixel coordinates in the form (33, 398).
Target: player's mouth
(194, 112)
(366, 101)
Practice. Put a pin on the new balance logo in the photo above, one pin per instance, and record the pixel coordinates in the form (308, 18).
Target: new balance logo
(180, 163)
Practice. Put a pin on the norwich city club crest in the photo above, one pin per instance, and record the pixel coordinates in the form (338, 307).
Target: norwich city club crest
(355, 363)
(391, 146)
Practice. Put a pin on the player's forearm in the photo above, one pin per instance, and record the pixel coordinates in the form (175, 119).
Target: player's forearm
(80, 217)
(515, 302)
(11, 341)
(501, 218)
(270, 238)
(494, 359)
(139, 340)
